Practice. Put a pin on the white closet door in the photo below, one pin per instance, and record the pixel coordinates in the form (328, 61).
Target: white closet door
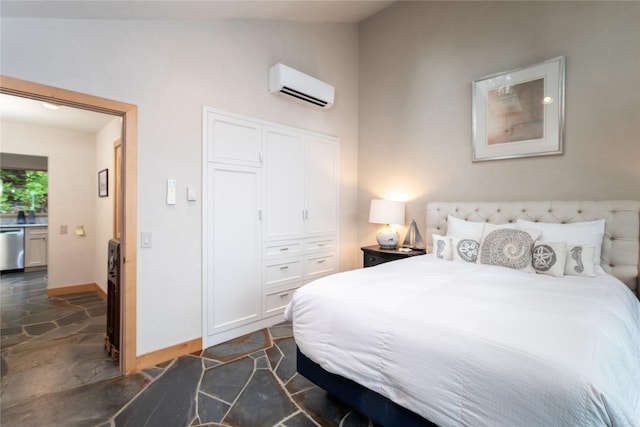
(234, 267)
(322, 190)
(284, 206)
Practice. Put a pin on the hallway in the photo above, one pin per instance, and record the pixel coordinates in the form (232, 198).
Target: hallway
(49, 344)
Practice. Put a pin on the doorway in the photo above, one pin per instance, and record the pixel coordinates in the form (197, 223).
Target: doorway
(128, 226)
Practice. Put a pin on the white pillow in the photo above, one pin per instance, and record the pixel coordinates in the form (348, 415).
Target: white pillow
(442, 247)
(579, 233)
(508, 247)
(550, 258)
(464, 229)
(465, 250)
(580, 261)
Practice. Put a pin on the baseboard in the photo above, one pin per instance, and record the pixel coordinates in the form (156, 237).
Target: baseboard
(74, 289)
(168, 353)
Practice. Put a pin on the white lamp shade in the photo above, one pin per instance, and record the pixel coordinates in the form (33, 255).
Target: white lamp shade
(386, 212)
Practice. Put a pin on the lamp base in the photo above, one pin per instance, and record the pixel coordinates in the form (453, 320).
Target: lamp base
(387, 238)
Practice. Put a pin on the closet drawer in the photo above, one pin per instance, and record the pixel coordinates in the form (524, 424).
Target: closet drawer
(274, 302)
(320, 244)
(280, 249)
(319, 265)
(281, 273)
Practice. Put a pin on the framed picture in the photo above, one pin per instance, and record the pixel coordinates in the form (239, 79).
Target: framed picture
(103, 183)
(519, 113)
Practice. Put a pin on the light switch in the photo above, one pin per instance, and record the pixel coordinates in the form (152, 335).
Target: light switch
(146, 239)
(191, 194)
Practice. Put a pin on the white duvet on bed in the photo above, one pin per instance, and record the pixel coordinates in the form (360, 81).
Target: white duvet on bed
(474, 345)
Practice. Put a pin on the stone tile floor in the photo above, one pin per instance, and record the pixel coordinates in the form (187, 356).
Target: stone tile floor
(55, 372)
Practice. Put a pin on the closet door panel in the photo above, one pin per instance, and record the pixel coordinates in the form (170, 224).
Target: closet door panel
(284, 183)
(321, 186)
(234, 259)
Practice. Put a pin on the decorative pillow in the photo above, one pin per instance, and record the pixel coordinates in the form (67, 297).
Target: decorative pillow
(442, 247)
(509, 248)
(464, 229)
(580, 261)
(579, 233)
(465, 250)
(550, 258)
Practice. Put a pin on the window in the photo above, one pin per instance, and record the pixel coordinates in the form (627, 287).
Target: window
(23, 190)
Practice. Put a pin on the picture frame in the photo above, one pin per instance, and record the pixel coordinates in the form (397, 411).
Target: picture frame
(103, 183)
(519, 113)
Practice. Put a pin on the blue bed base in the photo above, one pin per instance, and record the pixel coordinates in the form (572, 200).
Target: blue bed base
(375, 406)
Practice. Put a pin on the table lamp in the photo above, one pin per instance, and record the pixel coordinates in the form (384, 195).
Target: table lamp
(387, 212)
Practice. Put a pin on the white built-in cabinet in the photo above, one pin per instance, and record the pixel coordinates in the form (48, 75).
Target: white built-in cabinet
(270, 219)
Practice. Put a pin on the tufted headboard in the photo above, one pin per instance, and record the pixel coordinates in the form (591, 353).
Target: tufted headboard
(620, 245)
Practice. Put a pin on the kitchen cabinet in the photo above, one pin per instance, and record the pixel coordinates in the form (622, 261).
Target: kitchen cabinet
(35, 247)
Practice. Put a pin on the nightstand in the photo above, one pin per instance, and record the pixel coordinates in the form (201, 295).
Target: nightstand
(374, 255)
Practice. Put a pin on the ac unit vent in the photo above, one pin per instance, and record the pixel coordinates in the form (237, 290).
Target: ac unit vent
(287, 81)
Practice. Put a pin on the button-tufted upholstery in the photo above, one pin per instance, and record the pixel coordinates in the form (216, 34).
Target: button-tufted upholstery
(620, 245)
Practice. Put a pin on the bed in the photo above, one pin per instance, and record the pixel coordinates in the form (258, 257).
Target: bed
(427, 341)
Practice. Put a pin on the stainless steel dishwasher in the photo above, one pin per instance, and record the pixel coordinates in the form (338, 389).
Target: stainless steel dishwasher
(11, 248)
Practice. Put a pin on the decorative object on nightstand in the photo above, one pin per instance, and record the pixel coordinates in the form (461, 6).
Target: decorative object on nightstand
(413, 239)
(374, 255)
(387, 212)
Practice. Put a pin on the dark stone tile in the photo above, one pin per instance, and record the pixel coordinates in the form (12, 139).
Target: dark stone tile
(4, 369)
(88, 405)
(44, 316)
(210, 410)
(282, 330)
(40, 328)
(97, 311)
(10, 315)
(261, 363)
(262, 403)
(275, 356)
(239, 347)
(287, 366)
(355, 419)
(299, 420)
(90, 371)
(322, 407)
(210, 363)
(225, 382)
(94, 329)
(153, 372)
(11, 330)
(298, 383)
(72, 318)
(169, 400)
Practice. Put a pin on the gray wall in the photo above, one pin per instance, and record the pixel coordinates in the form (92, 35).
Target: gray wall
(417, 62)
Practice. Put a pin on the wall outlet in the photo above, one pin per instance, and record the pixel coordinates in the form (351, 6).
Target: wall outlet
(64, 229)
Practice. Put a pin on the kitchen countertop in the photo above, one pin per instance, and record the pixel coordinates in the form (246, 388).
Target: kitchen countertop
(22, 225)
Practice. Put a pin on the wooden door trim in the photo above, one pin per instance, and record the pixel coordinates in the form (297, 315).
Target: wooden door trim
(129, 114)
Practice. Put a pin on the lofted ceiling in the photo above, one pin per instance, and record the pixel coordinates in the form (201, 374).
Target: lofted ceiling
(23, 110)
(345, 11)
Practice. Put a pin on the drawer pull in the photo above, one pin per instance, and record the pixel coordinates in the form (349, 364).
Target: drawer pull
(286, 294)
(320, 261)
(321, 244)
(284, 267)
(284, 249)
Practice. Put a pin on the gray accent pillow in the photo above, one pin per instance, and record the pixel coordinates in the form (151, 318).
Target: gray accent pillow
(508, 248)
(549, 258)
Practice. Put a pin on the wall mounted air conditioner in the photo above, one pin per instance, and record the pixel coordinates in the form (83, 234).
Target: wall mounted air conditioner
(287, 81)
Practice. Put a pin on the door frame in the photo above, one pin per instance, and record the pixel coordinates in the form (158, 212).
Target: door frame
(129, 115)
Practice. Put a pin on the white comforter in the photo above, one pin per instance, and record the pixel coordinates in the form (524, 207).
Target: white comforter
(475, 345)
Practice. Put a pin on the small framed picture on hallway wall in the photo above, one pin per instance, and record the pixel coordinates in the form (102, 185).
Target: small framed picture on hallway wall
(103, 183)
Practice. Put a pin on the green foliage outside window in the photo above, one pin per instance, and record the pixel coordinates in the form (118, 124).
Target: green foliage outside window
(23, 190)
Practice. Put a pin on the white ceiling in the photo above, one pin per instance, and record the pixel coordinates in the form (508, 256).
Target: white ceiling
(29, 111)
(347, 11)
